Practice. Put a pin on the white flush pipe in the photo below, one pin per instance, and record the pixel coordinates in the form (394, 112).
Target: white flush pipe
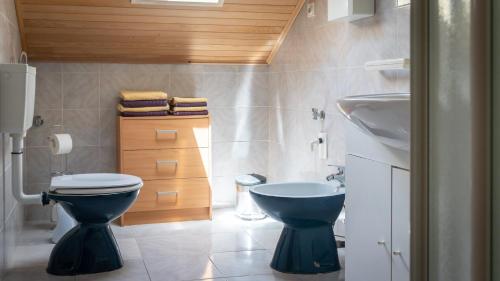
(17, 173)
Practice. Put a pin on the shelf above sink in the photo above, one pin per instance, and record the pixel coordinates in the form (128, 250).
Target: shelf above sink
(384, 116)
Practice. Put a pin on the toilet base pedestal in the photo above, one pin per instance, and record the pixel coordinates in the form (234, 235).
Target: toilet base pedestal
(86, 248)
(306, 250)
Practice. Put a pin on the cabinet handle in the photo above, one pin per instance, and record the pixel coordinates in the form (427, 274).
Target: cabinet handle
(173, 194)
(166, 163)
(396, 253)
(166, 193)
(166, 132)
(382, 242)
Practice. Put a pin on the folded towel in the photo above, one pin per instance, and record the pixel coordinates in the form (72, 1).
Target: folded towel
(143, 103)
(121, 108)
(144, 114)
(189, 104)
(199, 108)
(176, 100)
(189, 113)
(137, 95)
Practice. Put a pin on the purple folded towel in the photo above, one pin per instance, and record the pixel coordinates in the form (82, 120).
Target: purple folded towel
(144, 114)
(189, 104)
(189, 113)
(143, 103)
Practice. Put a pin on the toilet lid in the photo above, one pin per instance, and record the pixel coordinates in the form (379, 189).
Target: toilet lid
(94, 183)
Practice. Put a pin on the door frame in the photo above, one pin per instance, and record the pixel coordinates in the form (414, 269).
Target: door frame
(481, 86)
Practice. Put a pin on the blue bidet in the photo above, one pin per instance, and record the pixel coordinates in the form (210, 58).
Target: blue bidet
(307, 243)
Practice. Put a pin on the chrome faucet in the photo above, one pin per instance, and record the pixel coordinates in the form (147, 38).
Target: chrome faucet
(338, 176)
(318, 114)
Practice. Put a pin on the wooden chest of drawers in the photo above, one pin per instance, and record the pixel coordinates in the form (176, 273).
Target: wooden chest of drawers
(172, 156)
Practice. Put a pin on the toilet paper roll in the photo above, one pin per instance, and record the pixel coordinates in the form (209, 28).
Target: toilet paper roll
(61, 144)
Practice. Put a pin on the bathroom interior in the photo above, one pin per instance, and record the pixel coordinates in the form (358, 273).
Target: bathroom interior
(235, 140)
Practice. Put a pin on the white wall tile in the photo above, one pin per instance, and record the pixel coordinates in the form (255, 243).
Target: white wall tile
(318, 63)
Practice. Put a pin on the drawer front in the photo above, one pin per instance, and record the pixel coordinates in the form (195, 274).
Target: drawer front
(173, 194)
(167, 163)
(151, 134)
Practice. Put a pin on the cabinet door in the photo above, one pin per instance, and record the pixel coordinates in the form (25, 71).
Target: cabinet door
(368, 220)
(400, 225)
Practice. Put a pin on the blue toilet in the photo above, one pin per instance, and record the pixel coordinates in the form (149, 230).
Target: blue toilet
(93, 200)
(307, 244)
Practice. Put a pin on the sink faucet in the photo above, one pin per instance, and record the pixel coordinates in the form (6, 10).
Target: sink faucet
(338, 176)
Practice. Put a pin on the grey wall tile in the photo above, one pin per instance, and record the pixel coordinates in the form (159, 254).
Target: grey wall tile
(107, 159)
(80, 67)
(44, 67)
(253, 89)
(83, 125)
(39, 163)
(48, 90)
(239, 124)
(110, 86)
(186, 85)
(81, 90)
(236, 158)
(38, 136)
(221, 88)
(84, 160)
(37, 212)
(107, 127)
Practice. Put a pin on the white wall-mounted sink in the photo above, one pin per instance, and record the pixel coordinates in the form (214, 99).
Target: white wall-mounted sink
(385, 117)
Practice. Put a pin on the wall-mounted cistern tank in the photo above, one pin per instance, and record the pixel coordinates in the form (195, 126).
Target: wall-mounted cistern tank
(17, 102)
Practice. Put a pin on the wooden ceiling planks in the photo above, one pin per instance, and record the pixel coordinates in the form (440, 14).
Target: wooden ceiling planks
(239, 32)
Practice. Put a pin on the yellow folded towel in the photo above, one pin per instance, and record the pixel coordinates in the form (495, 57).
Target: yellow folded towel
(175, 100)
(186, 109)
(122, 108)
(137, 95)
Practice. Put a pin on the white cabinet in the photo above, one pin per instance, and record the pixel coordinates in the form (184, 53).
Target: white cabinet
(368, 220)
(400, 225)
(377, 221)
(350, 10)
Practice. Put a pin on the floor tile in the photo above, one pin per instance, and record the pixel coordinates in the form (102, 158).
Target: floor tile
(36, 233)
(175, 244)
(267, 277)
(129, 248)
(32, 255)
(266, 237)
(34, 274)
(242, 263)
(232, 242)
(333, 276)
(181, 267)
(275, 276)
(132, 270)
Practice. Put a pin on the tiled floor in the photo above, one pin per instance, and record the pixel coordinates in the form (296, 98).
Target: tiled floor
(224, 249)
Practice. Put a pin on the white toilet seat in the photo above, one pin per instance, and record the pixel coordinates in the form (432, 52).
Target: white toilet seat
(92, 184)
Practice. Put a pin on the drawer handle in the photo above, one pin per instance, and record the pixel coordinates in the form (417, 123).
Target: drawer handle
(166, 193)
(166, 163)
(160, 194)
(166, 132)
